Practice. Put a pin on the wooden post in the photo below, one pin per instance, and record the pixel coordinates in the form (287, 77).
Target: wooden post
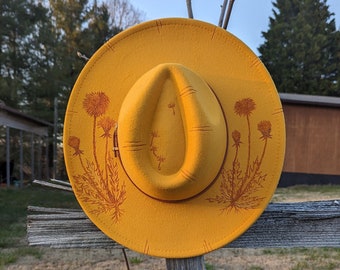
(193, 263)
(32, 156)
(8, 158)
(21, 151)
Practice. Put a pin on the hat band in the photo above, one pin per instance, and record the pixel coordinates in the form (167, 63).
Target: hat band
(172, 133)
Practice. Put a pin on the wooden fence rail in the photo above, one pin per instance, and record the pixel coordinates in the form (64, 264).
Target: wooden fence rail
(304, 224)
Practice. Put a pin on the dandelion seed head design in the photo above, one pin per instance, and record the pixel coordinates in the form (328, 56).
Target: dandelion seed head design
(96, 103)
(244, 107)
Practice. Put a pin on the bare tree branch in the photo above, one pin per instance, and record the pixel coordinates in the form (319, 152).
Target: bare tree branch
(223, 8)
(230, 7)
(124, 13)
(82, 56)
(189, 7)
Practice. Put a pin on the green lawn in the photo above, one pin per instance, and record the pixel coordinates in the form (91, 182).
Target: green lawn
(13, 212)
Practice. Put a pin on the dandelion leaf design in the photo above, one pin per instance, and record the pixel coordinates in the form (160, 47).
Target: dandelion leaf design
(99, 183)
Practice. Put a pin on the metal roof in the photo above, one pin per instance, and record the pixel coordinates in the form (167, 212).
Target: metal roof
(16, 119)
(324, 101)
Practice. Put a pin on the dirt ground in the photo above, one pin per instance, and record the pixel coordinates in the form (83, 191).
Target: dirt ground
(226, 259)
(86, 259)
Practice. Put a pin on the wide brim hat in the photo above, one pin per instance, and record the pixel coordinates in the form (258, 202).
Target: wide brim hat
(174, 138)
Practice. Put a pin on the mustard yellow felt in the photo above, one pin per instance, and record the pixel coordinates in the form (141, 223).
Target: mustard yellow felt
(168, 170)
(198, 132)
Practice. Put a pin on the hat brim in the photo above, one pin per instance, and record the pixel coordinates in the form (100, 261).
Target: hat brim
(255, 150)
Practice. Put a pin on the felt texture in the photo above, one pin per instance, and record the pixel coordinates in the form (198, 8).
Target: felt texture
(199, 137)
(188, 150)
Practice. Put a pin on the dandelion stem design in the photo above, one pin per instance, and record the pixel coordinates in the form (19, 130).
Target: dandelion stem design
(95, 104)
(100, 187)
(154, 134)
(239, 187)
(94, 143)
(160, 159)
(172, 107)
(154, 149)
(106, 123)
(245, 107)
(265, 127)
(237, 143)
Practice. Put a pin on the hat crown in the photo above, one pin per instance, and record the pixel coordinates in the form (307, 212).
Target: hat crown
(172, 133)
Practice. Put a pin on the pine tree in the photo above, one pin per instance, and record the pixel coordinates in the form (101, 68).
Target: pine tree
(69, 17)
(79, 28)
(18, 20)
(301, 47)
(42, 87)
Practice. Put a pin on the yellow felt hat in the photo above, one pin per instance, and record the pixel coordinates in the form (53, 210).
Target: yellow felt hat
(174, 138)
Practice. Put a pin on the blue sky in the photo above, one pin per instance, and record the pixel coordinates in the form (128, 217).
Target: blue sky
(248, 19)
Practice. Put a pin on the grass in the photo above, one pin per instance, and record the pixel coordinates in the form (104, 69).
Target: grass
(209, 266)
(135, 260)
(9, 256)
(255, 267)
(301, 191)
(13, 212)
(323, 189)
(309, 258)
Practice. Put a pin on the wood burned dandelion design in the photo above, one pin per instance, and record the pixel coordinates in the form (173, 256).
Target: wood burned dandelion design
(98, 183)
(154, 149)
(240, 183)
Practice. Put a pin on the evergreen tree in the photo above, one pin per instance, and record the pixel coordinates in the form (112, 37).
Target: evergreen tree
(69, 17)
(18, 19)
(301, 48)
(39, 41)
(79, 28)
(42, 88)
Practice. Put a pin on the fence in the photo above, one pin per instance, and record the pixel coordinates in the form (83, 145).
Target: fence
(303, 224)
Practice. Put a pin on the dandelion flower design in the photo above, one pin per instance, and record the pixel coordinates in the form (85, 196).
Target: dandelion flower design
(96, 103)
(244, 107)
(74, 142)
(239, 187)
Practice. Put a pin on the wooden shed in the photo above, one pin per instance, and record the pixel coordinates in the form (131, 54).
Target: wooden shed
(20, 132)
(313, 139)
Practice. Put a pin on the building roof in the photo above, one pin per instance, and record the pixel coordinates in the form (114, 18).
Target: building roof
(19, 120)
(324, 101)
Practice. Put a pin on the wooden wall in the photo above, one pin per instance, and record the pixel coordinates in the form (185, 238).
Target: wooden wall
(313, 139)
